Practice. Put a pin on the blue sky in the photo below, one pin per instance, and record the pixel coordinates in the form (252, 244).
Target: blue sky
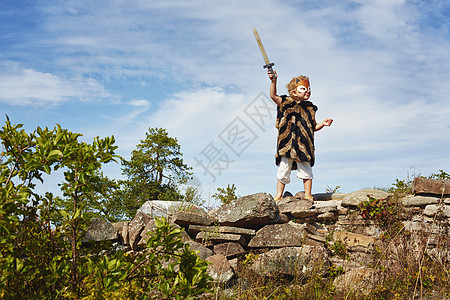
(380, 69)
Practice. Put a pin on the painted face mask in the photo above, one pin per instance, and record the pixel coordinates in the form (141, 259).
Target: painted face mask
(303, 86)
(303, 89)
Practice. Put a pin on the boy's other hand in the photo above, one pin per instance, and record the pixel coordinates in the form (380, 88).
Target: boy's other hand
(327, 122)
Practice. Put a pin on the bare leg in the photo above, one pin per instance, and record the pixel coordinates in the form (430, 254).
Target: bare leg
(280, 190)
(307, 183)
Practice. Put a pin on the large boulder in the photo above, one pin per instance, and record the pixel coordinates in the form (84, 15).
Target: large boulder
(416, 200)
(362, 279)
(159, 208)
(217, 238)
(229, 249)
(219, 268)
(279, 235)
(440, 210)
(252, 211)
(355, 198)
(194, 229)
(354, 241)
(185, 218)
(289, 204)
(135, 228)
(292, 261)
(151, 227)
(100, 230)
(202, 251)
(422, 185)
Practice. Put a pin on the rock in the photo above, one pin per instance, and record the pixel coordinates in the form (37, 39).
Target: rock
(416, 200)
(422, 185)
(354, 241)
(361, 279)
(118, 226)
(279, 235)
(283, 219)
(220, 269)
(229, 249)
(159, 208)
(344, 262)
(185, 218)
(326, 206)
(291, 261)
(100, 230)
(327, 217)
(146, 232)
(355, 198)
(217, 238)
(194, 229)
(234, 263)
(328, 196)
(424, 227)
(125, 234)
(252, 211)
(299, 195)
(303, 213)
(289, 204)
(442, 210)
(202, 251)
(151, 227)
(135, 227)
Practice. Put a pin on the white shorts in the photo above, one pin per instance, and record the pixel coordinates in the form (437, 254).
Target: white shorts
(304, 170)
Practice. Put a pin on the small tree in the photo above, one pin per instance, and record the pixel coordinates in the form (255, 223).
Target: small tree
(155, 171)
(226, 195)
(27, 218)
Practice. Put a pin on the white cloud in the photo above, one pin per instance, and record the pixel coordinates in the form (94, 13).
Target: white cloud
(26, 86)
(373, 68)
(140, 102)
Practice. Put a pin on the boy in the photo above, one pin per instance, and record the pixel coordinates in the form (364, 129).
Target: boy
(296, 124)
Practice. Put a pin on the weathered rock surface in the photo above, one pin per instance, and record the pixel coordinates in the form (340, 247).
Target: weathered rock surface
(355, 198)
(202, 251)
(441, 210)
(216, 238)
(288, 204)
(229, 249)
(422, 185)
(329, 196)
(354, 241)
(253, 211)
(291, 260)
(194, 229)
(135, 228)
(100, 230)
(220, 268)
(416, 200)
(361, 279)
(186, 218)
(159, 208)
(279, 235)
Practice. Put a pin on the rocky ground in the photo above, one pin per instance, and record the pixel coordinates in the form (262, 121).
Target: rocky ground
(296, 235)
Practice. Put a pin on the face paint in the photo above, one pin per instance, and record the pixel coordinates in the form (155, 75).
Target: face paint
(303, 89)
(303, 85)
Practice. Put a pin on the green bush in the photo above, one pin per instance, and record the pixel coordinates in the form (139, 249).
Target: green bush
(40, 240)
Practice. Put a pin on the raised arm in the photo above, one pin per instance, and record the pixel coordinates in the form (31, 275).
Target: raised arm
(273, 88)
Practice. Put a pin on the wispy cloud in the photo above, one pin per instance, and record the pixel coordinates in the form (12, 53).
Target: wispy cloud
(379, 68)
(25, 86)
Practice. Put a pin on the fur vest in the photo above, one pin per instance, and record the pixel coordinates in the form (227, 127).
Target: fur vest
(295, 123)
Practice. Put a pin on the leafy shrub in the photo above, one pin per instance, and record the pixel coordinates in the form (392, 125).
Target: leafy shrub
(40, 241)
